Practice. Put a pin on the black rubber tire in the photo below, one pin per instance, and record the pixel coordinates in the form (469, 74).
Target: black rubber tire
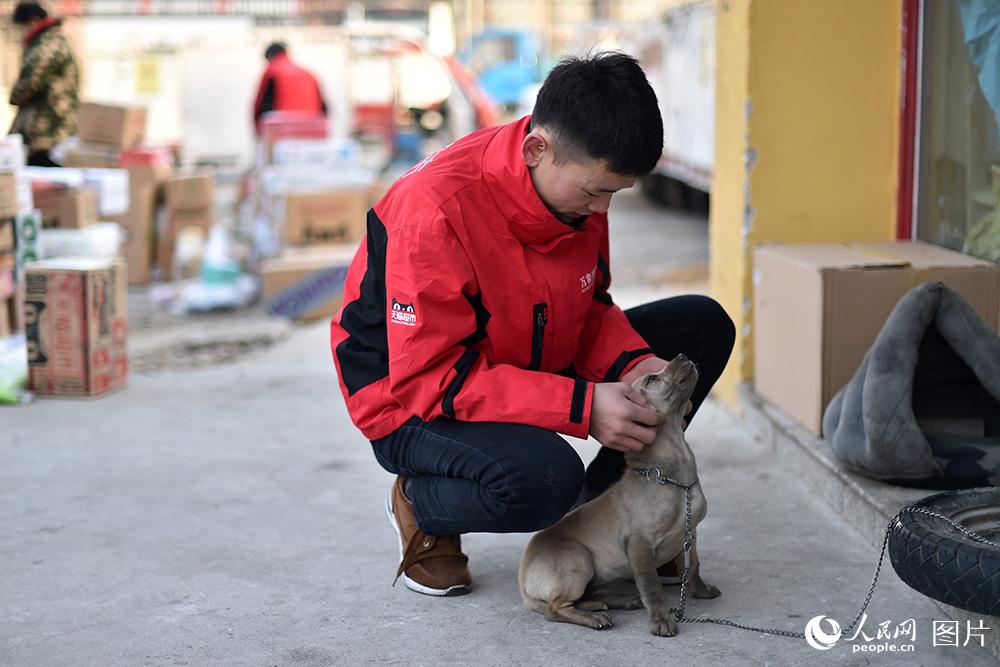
(937, 560)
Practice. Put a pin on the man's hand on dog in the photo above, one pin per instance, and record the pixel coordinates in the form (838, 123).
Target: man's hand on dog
(620, 418)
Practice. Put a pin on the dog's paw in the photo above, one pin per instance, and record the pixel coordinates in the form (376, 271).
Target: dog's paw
(706, 592)
(600, 620)
(662, 625)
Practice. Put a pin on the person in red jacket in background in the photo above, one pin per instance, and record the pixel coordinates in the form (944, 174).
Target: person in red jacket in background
(477, 322)
(286, 87)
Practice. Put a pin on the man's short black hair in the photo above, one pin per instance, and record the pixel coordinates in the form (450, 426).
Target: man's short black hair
(602, 107)
(274, 49)
(25, 12)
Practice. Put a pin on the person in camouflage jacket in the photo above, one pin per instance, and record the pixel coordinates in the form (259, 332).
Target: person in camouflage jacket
(46, 92)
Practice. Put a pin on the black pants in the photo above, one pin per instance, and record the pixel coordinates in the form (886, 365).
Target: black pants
(41, 159)
(500, 478)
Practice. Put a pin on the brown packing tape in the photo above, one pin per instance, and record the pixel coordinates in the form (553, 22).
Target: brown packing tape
(878, 252)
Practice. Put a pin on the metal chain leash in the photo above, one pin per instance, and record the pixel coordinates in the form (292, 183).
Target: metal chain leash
(659, 478)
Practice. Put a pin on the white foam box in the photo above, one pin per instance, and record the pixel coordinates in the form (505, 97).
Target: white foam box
(111, 184)
(12, 156)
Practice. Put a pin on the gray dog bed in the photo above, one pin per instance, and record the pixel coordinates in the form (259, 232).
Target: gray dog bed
(923, 408)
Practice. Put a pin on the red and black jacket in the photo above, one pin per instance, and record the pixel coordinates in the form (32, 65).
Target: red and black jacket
(285, 86)
(468, 299)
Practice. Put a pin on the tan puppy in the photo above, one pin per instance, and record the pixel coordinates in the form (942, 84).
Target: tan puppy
(626, 532)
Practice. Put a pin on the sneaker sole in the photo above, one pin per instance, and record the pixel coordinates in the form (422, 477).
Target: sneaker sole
(451, 591)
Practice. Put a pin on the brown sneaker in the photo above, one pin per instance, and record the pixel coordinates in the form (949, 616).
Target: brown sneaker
(430, 564)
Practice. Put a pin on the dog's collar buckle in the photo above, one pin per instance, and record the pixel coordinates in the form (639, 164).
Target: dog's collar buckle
(654, 475)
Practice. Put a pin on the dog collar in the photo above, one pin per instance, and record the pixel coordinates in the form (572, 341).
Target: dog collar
(654, 475)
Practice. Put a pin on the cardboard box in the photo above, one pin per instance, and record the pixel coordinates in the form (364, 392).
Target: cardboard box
(147, 193)
(336, 216)
(7, 283)
(8, 195)
(158, 176)
(818, 309)
(112, 186)
(12, 313)
(76, 325)
(118, 126)
(307, 283)
(191, 193)
(7, 235)
(6, 318)
(167, 233)
(140, 233)
(67, 208)
(84, 155)
(203, 218)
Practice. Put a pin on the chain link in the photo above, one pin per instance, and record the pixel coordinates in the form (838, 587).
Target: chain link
(689, 543)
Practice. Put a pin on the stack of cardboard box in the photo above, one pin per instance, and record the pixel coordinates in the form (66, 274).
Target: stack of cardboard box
(63, 206)
(317, 195)
(149, 171)
(190, 210)
(112, 136)
(105, 130)
(73, 310)
(11, 294)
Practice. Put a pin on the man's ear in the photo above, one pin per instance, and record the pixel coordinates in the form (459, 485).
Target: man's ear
(534, 146)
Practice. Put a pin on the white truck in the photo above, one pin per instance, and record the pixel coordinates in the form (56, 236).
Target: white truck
(677, 52)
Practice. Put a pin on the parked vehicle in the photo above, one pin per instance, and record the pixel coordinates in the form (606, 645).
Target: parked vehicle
(677, 53)
(401, 92)
(505, 61)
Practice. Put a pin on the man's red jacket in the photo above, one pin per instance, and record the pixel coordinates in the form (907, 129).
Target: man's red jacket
(468, 299)
(285, 86)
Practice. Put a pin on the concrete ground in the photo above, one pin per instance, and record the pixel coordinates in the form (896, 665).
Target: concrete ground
(232, 515)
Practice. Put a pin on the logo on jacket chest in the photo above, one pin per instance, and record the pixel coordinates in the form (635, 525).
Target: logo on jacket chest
(403, 313)
(587, 279)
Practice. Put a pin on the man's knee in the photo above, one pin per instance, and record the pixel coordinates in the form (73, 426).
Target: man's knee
(717, 322)
(542, 491)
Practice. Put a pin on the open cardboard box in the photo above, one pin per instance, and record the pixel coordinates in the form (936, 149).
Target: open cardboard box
(819, 307)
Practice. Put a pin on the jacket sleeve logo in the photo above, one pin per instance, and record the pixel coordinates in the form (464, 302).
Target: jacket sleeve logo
(403, 313)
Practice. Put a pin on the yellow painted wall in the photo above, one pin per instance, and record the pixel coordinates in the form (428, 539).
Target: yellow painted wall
(807, 130)
(725, 236)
